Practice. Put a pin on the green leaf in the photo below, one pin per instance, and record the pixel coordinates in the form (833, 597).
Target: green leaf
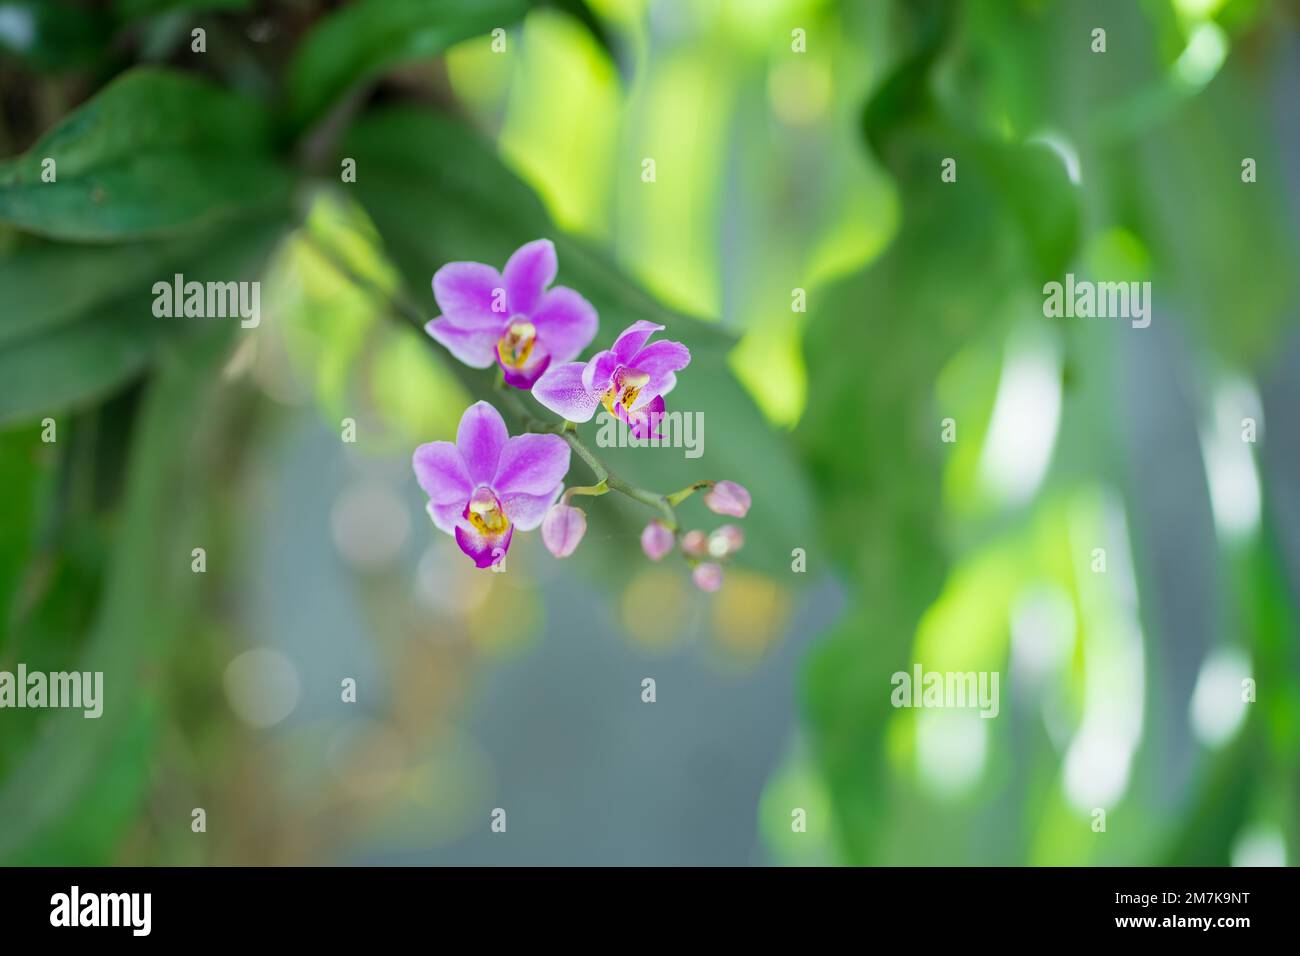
(360, 41)
(581, 11)
(871, 429)
(153, 152)
(89, 766)
(438, 193)
(69, 346)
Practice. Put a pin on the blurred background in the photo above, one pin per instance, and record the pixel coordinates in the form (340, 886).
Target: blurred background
(842, 303)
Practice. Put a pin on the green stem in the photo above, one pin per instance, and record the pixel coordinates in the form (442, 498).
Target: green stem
(677, 497)
(591, 490)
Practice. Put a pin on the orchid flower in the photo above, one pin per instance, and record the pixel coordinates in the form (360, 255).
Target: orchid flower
(487, 484)
(511, 317)
(629, 380)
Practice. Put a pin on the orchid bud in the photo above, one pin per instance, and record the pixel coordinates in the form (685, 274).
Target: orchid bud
(726, 540)
(656, 540)
(728, 498)
(695, 543)
(562, 529)
(707, 576)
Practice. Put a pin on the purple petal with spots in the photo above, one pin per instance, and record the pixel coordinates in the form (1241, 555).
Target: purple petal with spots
(481, 436)
(561, 390)
(440, 470)
(565, 322)
(477, 348)
(632, 339)
(528, 273)
(533, 464)
(464, 292)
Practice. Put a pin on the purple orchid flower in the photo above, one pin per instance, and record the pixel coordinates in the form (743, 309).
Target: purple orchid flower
(488, 484)
(630, 380)
(511, 317)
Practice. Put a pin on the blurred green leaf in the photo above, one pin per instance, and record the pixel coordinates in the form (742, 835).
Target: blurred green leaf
(68, 348)
(26, 474)
(144, 606)
(362, 40)
(878, 342)
(581, 11)
(152, 152)
(438, 193)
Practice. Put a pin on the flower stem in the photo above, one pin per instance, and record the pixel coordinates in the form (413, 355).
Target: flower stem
(677, 497)
(591, 490)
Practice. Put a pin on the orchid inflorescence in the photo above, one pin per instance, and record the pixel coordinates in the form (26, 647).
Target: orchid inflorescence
(486, 485)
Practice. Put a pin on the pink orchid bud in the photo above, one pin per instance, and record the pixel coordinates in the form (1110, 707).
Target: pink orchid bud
(656, 540)
(726, 540)
(728, 498)
(707, 576)
(562, 529)
(695, 543)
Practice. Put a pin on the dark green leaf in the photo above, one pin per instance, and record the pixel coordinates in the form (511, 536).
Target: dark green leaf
(62, 352)
(362, 40)
(152, 152)
(144, 608)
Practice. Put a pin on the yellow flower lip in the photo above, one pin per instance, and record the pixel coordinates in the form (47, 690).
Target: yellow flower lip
(517, 344)
(635, 379)
(627, 384)
(485, 514)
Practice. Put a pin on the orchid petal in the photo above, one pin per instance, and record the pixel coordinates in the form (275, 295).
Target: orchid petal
(477, 348)
(481, 436)
(484, 549)
(561, 390)
(528, 273)
(466, 292)
(565, 322)
(632, 340)
(660, 360)
(440, 470)
(532, 464)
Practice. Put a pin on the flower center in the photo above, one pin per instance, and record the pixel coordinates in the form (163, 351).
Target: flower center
(624, 388)
(517, 344)
(484, 512)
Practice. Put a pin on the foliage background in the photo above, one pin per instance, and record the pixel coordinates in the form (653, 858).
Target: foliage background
(776, 170)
